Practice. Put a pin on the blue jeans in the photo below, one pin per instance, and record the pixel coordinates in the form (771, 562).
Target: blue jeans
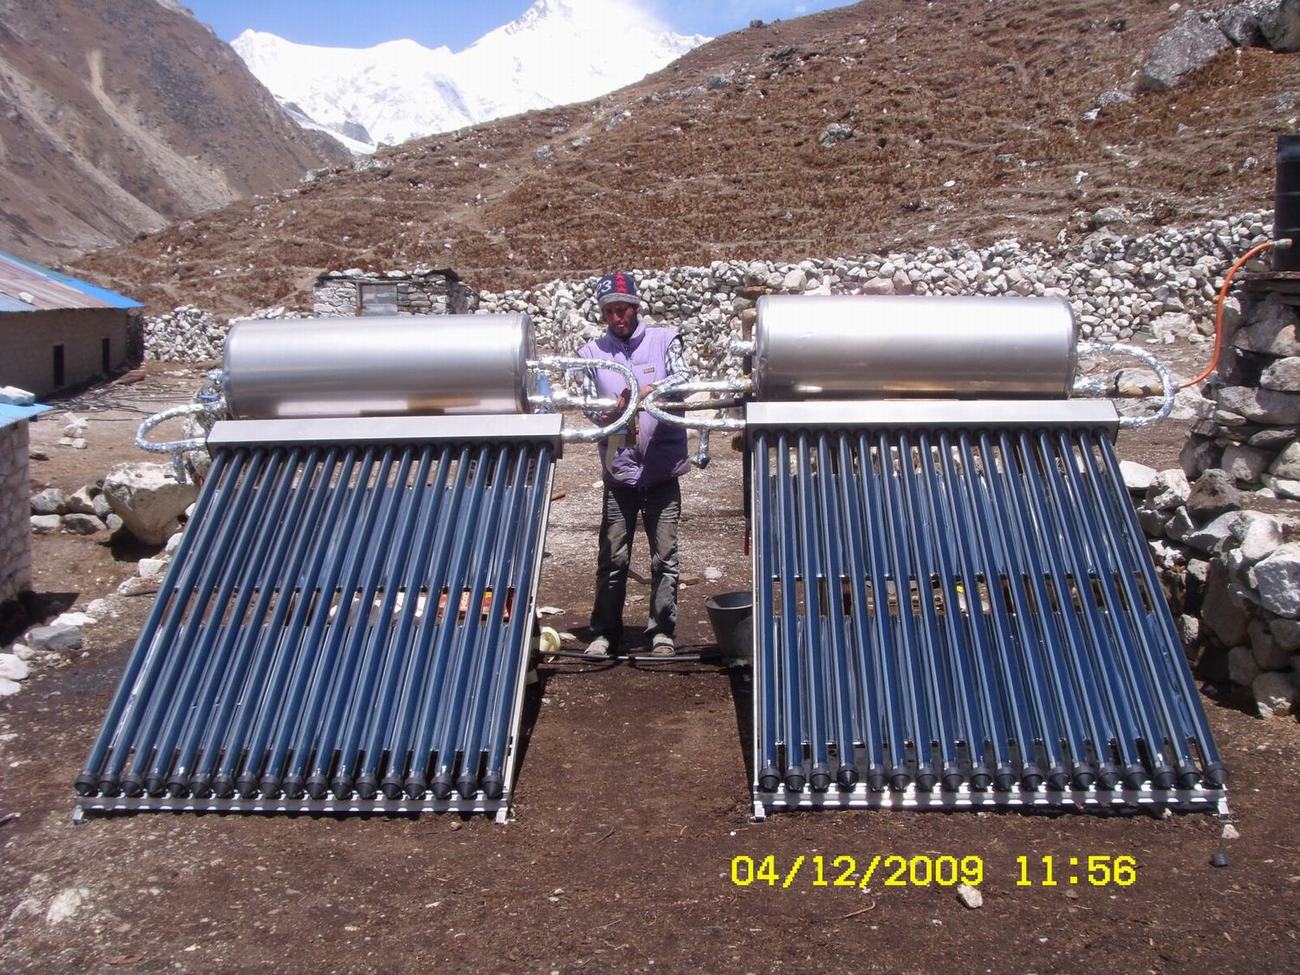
(660, 508)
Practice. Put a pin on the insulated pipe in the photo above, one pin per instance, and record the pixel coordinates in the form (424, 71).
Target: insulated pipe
(528, 572)
(213, 499)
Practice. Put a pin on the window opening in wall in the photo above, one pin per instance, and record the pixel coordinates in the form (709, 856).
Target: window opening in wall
(378, 299)
(58, 366)
(106, 355)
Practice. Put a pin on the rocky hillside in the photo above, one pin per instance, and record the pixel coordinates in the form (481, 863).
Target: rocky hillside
(889, 124)
(122, 117)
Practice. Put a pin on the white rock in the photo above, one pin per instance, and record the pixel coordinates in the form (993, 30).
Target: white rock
(1277, 581)
(148, 499)
(1274, 693)
(150, 567)
(66, 904)
(46, 524)
(1168, 489)
(970, 896)
(13, 667)
(8, 688)
(712, 573)
(1137, 477)
(75, 618)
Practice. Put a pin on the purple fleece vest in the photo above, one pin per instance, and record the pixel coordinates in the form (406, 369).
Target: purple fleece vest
(659, 452)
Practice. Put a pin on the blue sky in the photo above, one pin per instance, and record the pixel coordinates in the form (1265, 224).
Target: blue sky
(456, 23)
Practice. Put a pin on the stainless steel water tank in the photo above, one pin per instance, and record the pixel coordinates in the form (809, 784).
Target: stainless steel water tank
(379, 366)
(874, 346)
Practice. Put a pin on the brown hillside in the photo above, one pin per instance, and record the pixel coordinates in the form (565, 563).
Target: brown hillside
(123, 116)
(720, 158)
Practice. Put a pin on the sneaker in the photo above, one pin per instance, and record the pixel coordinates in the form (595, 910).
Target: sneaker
(599, 647)
(662, 645)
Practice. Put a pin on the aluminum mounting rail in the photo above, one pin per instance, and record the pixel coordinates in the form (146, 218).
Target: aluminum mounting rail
(345, 628)
(963, 616)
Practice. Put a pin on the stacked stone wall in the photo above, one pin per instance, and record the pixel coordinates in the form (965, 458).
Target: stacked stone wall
(15, 527)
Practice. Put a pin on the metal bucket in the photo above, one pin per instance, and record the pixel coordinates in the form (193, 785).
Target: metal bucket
(731, 614)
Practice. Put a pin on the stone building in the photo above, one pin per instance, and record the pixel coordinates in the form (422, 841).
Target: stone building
(59, 332)
(422, 291)
(15, 503)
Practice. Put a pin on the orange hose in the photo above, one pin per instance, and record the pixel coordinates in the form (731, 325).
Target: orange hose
(1218, 314)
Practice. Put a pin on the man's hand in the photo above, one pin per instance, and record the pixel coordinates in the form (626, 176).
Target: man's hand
(617, 411)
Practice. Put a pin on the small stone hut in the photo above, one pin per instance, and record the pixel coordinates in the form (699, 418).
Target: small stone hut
(422, 291)
(59, 332)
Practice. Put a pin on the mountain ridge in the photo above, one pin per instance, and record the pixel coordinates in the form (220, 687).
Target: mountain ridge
(121, 120)
(399, 90)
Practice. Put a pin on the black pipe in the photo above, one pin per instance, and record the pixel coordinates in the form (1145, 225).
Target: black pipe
(1286, 203)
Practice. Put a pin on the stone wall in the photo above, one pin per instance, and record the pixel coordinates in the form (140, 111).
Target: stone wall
(15, 527)
(1253, 430)
(418, 292)
(1162, 285)
(1228, 545)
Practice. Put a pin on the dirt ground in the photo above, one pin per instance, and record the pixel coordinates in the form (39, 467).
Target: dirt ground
(632, 799)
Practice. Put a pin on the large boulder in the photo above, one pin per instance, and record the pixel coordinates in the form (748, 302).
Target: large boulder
(1279, 22)
(1240, 23)
(1192, 42)
(1277, 580)
(148, 499)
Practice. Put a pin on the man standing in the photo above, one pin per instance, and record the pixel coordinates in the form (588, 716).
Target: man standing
(640, 467)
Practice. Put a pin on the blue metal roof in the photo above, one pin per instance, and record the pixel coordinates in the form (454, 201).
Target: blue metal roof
(47, 290)
(12, 414)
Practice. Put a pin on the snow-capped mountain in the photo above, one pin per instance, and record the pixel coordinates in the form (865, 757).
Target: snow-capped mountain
(558, 51)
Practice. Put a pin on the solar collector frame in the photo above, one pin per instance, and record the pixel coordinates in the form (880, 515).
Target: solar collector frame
(978, 625)
(345, 626)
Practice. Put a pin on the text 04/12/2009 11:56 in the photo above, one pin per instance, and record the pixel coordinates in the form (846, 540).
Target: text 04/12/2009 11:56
(925, 870)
